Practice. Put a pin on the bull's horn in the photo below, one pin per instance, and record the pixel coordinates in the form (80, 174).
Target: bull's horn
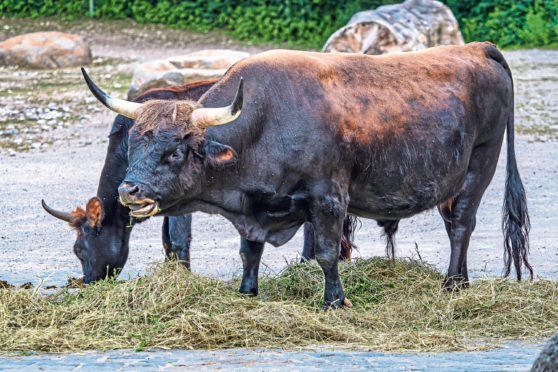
(65, 216)
(208, 117)
(119, 106)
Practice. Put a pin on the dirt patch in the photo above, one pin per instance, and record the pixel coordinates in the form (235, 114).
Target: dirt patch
(43, 108)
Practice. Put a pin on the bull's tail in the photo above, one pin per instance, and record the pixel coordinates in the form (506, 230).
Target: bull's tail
(515, 220)
(347, 245)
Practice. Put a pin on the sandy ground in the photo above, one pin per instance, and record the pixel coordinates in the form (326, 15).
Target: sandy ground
(34, 245)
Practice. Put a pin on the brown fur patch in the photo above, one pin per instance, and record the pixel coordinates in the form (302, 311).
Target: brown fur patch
(94, 212)
(346, 248)
(445, 209)
(160, 115)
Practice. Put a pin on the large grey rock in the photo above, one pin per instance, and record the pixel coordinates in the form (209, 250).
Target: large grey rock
(45, 50)
(547, 361)
(412, 25)
(179, 70)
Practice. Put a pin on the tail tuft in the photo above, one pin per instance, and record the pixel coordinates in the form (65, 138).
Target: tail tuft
(515, 221)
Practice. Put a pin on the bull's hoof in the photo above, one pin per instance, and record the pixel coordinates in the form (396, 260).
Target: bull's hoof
(337, 304)
(248, 290)
(456, 283)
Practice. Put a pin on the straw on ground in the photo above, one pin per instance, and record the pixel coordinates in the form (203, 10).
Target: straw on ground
(398, 305)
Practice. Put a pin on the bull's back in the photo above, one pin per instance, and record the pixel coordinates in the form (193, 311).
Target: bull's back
(401, 126)
(365, 98)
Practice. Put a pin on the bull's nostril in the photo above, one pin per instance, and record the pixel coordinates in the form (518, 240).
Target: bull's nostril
(128, 193)
(133, 190)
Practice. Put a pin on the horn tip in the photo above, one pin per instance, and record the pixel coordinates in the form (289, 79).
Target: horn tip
(237, 105)
(84, 73)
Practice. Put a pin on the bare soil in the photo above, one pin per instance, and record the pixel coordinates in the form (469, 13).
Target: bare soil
(61, 162)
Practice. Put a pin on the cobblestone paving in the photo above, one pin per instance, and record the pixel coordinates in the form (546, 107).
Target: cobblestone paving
(512, 357)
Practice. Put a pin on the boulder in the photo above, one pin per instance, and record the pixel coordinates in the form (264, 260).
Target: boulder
(45, 50)
(180, 70)
(547, 360)
(411, 25)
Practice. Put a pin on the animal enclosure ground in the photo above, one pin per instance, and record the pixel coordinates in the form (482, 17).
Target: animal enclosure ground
(61, 162)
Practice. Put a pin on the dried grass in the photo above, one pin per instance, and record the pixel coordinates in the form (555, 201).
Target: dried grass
(397, 306)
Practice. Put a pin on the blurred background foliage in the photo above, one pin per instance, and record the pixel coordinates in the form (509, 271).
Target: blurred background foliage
(306, 23)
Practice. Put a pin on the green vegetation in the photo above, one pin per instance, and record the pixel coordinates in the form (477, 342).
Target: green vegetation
(306, 22)
(398, 305)
(508, 23)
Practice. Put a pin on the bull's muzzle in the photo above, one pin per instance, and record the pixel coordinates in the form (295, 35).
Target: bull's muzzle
(132, 197)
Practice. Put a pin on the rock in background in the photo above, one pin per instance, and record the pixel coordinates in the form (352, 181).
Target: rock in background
(180, 70)
(44, 50)
(548, 358)
(412, 25)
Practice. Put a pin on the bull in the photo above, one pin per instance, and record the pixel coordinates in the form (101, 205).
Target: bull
(104, 226)
(323, 135)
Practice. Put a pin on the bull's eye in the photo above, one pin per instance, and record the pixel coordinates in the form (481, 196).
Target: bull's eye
(176, 155)
(78, 251)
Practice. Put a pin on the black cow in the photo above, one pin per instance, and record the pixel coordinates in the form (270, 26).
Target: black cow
(323, 135)
(104, 226)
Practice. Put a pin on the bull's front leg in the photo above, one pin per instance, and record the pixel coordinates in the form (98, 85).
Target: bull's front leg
(251, 254)
(177, 235)
(328, 211)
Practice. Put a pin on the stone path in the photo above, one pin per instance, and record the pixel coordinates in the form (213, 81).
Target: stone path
(512, 357)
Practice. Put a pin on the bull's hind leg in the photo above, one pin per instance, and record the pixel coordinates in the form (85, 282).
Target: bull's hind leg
(461, 219)
(251, 254)
(177, 235)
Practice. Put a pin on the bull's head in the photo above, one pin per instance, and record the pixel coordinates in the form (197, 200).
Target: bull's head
(167, 149)
(102, 250)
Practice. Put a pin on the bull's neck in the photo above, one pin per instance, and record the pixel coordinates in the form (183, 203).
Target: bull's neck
(114, 171)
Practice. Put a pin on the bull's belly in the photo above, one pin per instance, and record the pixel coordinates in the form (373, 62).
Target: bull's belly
(403, 200)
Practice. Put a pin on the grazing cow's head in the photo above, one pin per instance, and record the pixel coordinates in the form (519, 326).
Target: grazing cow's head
(167, 149)
(102, 251)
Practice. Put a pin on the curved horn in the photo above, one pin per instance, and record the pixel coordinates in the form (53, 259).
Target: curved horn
(119, 106)
(64, 216)
(208, 117)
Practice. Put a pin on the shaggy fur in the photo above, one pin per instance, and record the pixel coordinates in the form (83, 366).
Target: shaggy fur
(157, 116)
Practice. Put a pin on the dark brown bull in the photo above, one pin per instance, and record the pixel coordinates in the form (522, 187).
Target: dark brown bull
(104, 226)
(322, 135)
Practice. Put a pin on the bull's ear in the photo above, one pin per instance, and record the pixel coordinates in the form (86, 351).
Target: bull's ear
(218, 155)
(94, 212)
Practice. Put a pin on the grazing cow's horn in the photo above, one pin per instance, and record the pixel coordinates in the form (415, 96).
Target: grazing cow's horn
(208, 117)
(65, 216)
(119, 106)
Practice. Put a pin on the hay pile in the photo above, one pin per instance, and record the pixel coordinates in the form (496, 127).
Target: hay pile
(397, 306)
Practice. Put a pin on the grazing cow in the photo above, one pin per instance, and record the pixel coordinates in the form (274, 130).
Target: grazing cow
(323, 135)
(104, 226)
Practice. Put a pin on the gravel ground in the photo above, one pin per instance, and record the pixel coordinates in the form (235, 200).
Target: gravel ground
(64, 165)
